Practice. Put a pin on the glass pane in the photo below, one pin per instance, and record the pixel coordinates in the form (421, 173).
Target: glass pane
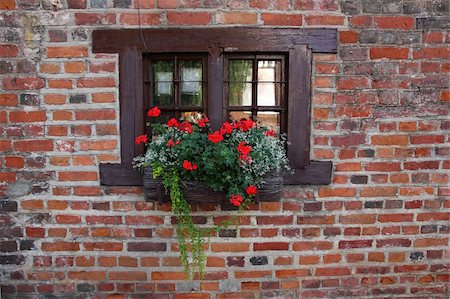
(269, 70)
(270, 119)
(240, 94)
(240, 70)
(162, 90)
(238, 115)
(269, 94)
(191, 83)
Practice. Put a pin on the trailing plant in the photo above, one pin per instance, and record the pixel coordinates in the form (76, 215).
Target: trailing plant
(233, 160)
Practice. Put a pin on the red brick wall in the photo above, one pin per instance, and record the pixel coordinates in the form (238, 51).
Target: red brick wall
(380, 113)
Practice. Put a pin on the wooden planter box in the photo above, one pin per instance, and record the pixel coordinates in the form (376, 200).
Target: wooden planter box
(196, 192)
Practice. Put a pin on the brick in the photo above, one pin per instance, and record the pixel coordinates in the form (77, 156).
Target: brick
(144, 220)
(241, 18)
(355, 244)
(103, 246)
(75, 67)
(60, 246)
(77, 176)
(14, 162)
(67, 52)
(427, 139)
(33, 145)
(358, 219)
(76, 4)
(232, 247)
(312, 245)
(336, 192)
(97, 82)
(55, 99)
(8, 100)
(103, 97)
(390, 53)
(270, 246)
(394, 22)
(95, 114)
(145, 18)
(156, 275)
(188, 18)
(325, 219)
(378, 191)
(292, 273)
(395, 217)
(128, 275)
(68, 219)
(9, 51)
(23, 83)
(95, 18)
(431, 53)
(87, 275)
(393, 243)
(5, 145)
(348, 37)
(389, 140)
(324, 20)
(146, 246)
(7, 4)
(333, 271)
(282, 19)
(421, 165)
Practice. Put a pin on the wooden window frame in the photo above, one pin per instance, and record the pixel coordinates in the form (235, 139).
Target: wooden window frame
(298, 44)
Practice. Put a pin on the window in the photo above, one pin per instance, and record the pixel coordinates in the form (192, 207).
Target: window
(228, 72)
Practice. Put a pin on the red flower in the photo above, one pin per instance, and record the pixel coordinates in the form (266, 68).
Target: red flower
(251, 190)
(141, 139)
(189, 166)
(244, 151)
(246, 124)
(202, 122)
(154, 112)
(243, 148)
(215, 137)
(236, 200)
(172, 123)
(170, 143)
(226, 128)
(178, 142)
(186, 127)
(271, 133)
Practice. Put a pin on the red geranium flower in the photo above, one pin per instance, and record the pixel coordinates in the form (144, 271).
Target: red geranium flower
(246, 124)
(141, 139)
(271, 133)
(215, 137)
(154, 112)
(172, 123)
(236, 200)
(189, 165)
(251, 190)
(226, 128)
(243, 148)
(202, 122)
(170, 143)
(186, 127)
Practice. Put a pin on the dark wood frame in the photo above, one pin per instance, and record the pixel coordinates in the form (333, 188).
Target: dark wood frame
(254, 108)
(297, 44)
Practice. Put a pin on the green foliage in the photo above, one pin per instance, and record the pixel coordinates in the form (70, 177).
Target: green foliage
(239, 157)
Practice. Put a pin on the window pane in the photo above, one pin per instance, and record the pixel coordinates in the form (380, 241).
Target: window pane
(270, 119)
(238, 115)
(269, 70)
(191, 83)
(162, 75)
(240, 70)
(240, 94)
(269, 94)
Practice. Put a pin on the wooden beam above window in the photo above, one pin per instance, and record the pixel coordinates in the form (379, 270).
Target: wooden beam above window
(319, 40)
